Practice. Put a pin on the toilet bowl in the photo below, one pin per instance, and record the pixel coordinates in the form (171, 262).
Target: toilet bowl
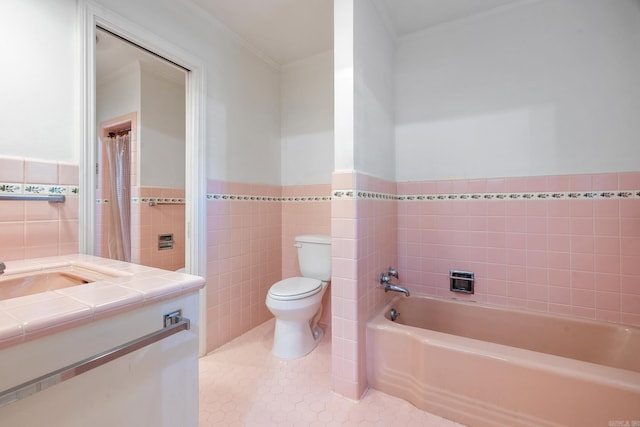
(296, 331)
(296, 302)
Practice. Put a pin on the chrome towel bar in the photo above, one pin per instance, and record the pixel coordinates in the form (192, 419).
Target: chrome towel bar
(55, 198)
(174, 323)
(159, 203)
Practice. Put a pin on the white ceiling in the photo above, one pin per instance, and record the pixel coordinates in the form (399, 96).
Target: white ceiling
(284, 30)
(289, 30)
(409, 16)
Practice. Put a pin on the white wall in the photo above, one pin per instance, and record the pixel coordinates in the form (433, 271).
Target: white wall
(343, 75)
(119, 94)
(242, 105)
(160, 104)
(306, 122)
(249, 123)
(364, 90)
(162, 131)
(548, 87)
(374, 93)
(38, 114)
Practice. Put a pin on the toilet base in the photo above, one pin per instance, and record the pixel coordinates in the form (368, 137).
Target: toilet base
(292, 340)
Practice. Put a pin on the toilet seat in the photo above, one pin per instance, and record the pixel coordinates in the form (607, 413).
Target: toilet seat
(295, 288)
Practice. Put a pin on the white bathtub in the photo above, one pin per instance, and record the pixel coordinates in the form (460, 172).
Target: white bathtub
(483, 365)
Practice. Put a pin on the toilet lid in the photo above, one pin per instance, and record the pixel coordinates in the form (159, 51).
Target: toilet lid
(295, 288)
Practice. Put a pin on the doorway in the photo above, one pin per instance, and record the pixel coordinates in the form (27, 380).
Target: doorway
(91, 17)
(140, 97)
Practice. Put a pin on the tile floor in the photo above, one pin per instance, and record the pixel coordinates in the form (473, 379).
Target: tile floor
(242, 384)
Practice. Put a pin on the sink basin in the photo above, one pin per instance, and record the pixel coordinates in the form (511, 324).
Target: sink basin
(34, 282)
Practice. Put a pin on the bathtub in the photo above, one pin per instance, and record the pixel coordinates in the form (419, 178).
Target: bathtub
(488, 366)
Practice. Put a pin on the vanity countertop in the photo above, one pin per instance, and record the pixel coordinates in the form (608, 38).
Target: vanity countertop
(32, 316)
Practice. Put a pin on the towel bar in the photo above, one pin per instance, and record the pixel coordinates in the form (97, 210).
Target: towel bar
(55, 198)
(158, 203)
(174, 323)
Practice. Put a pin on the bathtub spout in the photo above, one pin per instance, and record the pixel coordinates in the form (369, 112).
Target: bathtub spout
(395, 288)
(388, 286)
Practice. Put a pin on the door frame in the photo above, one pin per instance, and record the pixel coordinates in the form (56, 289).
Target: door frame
(90, 16)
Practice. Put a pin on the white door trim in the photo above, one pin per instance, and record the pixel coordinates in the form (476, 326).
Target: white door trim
(91, 15)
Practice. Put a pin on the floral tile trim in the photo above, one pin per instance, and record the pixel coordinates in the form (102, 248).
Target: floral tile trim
(6, 188)
(156, 200)
(372, 195)
(355, 194)
(53, 190)
(228, 197)
(585, 195)
(39, 189)
(35, 189)
(239, 197)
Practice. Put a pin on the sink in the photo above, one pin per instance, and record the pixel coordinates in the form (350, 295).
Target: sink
(50, 279)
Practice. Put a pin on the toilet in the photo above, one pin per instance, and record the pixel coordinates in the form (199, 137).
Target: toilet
(296, 302)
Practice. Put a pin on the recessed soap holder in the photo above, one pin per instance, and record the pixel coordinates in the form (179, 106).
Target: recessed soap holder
(461, 281)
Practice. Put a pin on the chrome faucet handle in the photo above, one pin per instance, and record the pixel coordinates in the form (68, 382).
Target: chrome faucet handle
(393, 272)
(384, 279)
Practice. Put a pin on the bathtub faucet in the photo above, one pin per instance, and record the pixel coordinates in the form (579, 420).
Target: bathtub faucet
(395, 288)
(388, 286)
(2, 267)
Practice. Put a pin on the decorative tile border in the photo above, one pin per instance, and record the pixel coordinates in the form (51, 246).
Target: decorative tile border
(372, 195)
(163, 200)
(573, 195)
(240, 197)
(356, 194)
(39, 189)
(43, 189)
(8, 188)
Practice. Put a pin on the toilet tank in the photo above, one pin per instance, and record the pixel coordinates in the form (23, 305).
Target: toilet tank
(314, 256)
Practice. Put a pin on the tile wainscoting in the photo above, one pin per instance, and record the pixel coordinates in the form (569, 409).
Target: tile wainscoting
(559, 244)
(32, 229)
(250, 231)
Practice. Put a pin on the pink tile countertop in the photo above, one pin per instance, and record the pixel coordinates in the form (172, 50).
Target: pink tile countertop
(45, 313)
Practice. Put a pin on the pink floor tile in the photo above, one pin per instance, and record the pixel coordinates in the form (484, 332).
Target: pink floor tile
(242, 384)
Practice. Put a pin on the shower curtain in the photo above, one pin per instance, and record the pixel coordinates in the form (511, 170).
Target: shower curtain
(119, 237)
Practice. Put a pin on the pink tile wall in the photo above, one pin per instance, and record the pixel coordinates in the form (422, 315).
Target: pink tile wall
(244, 240)
(36, 228)
(305, 217)
(250, 247)
(568, 256)
(308, 217)
(147, 222)
(344, 298)
(364, 245)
